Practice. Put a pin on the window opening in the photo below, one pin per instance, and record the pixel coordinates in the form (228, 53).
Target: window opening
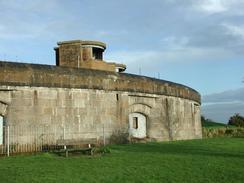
(97, 53)
(135, 122)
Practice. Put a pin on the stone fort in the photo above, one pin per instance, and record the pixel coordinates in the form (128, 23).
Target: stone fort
(87, 96)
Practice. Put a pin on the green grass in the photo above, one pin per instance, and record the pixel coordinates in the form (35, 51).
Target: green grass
(209, 160)
(211, 124)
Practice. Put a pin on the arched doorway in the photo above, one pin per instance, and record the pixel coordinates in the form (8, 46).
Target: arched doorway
(137, 125)
(1, 130)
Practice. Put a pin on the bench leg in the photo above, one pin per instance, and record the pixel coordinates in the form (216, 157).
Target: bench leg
(66, 153)
(91, 152)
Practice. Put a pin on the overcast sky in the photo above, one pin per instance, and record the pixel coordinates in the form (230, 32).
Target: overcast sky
(199, 43)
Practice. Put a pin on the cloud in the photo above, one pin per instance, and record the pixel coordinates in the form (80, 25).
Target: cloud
(176, 38)
(212, 6)
(161, 23)
(222, 112)
(226, 96)
(220, 106)
(235, 30)
(222, 7)
(172, 54)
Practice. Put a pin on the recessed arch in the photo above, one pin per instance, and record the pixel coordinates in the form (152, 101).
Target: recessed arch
(140, 108)
(138, 119)
(3, 108)
(137, 125)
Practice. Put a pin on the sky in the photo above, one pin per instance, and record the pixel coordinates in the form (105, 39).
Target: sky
(198, 43)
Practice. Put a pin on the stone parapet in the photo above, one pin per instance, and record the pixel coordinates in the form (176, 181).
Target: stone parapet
(21, 74)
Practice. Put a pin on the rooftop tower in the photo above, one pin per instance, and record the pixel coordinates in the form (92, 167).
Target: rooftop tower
(84, 54)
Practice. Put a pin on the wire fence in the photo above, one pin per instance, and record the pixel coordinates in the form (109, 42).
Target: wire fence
(30, 139)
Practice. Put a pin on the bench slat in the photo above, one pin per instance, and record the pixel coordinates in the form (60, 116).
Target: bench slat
(67, 151)
(76, 141)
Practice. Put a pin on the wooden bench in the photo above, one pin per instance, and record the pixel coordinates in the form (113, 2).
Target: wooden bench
(81, 146)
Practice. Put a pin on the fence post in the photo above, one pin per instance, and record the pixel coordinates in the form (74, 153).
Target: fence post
(64, 137)
(104, 140)
(8, 148)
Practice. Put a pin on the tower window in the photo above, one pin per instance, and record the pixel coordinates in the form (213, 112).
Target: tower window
(97, 53)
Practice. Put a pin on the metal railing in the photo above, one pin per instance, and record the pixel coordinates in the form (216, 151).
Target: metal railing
(30, 139)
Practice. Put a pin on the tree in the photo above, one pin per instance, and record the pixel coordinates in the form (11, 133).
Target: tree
(236, 120)
(203, 119)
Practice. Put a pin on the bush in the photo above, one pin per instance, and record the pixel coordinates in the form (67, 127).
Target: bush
(240, 132)
(119, 137)
(236, 120)
(101, 150)
(229, 131)
(223, 131)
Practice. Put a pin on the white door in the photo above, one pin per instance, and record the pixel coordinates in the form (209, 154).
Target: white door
(137, 125)
(1, 130)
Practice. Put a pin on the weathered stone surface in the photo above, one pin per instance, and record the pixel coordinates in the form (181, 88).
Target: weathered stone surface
(62, 102)
(84, 113)
(19, 74)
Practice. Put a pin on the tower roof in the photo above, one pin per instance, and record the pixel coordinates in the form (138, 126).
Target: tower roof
(85, 43)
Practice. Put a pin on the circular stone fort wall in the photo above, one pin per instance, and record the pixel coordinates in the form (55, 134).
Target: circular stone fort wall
(95, 104)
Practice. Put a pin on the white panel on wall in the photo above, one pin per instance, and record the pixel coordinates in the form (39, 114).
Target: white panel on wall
(137, 125)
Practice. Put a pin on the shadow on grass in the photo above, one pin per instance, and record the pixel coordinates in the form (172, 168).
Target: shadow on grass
(184, 148)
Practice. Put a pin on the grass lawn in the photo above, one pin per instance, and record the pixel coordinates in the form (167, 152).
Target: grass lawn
(208, 160)
(208, 124)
